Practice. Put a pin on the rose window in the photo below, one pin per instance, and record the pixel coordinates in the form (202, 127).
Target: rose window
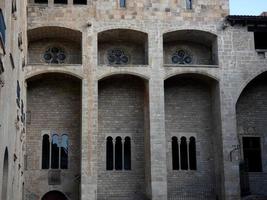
(181, 57)
(117, 57)
(54, 55)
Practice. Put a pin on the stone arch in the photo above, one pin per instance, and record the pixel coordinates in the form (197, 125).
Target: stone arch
(136, 74)
(4, 194)
(251, 112)
(34, 73)
(192, 109)
(206, 31)
(190, 46)
(54, 195)
(193, 73)
(122, 47)
(247, 81)
(54, 45)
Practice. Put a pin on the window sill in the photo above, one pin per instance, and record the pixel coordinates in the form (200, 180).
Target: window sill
(124, 66)
(52, 65)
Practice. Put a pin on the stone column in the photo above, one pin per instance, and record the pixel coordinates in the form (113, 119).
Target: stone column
(230, 169)
(89, 118)
(157, 118)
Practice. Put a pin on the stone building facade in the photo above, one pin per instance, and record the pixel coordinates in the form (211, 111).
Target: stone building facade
(132, 100)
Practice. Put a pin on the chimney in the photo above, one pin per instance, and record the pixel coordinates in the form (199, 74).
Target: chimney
(264, 14)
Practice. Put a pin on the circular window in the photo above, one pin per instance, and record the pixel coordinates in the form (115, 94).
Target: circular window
(54, 55)
(117, 57)
(181, 57)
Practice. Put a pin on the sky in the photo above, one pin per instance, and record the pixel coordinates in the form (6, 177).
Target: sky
(247, 7)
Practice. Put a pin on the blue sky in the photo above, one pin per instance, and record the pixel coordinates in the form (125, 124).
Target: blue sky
(247, 7)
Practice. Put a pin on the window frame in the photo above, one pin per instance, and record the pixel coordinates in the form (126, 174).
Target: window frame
(50, 134)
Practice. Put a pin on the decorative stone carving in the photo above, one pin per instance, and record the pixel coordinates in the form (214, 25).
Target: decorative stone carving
(54, 55)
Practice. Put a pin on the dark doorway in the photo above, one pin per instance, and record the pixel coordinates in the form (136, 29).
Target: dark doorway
(54, 195)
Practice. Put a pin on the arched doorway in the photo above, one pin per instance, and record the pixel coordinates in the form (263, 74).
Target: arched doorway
(5, 176)
(54, 195)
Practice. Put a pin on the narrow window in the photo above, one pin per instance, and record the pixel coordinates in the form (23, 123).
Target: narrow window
(189, 4)
(175, 154)
(2, 27)
(18, 94)
(118, 154)
(45, 152)
(55, 152)
(127, 153)
(184, 157)
(64, 152)
(122, 3)
(5, 176)
(61, 1)
(14, 6)
(192, 154)
(109, 153)
(41, 1)
(82, 2)
(252, 153)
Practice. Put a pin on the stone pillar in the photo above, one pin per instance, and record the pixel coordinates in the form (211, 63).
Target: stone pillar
(50, 3)
(89, 119)
(70, 2)
(157, 119)
(230, 181)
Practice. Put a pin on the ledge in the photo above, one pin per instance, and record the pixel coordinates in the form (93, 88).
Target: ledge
(187, 66)
(123, 66)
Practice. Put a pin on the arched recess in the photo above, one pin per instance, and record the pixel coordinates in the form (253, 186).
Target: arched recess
(192, 110)
(54, 195)
(190, 47)
(54, 102)
(124, 116)
(251, 112)
(122, 47)
(4, 194)
(54, 45)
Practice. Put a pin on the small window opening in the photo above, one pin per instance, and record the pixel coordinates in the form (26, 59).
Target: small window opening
(41, 1)
(109, 153)
(118, 154)
(45, 152)
(252, 153)
(189, 5)
(122, 3)
(127, 153)
(64, 151)
(260, 40)
(14, 6)
(61, 1)
(175, 154)
(192, 154)
(184, 157)
(55, 152)
(82, 2)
